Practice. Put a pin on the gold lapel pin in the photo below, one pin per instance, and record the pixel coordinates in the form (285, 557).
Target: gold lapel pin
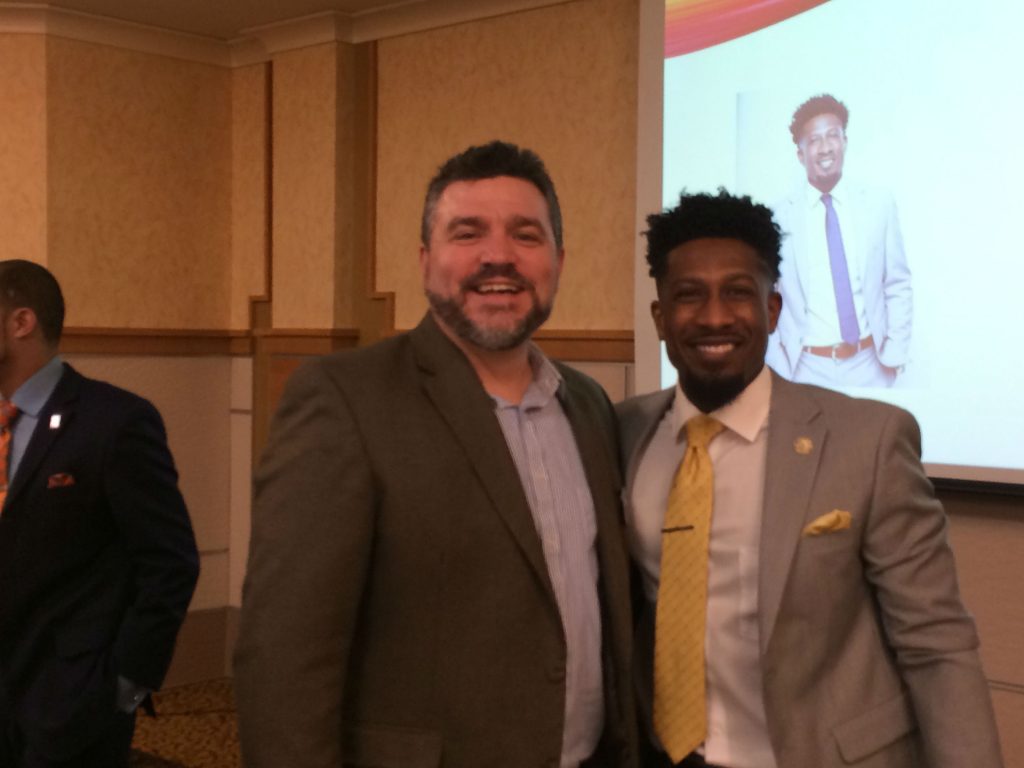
(803, 445)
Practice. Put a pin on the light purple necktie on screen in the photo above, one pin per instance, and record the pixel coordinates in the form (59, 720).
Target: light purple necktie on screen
(848, 326)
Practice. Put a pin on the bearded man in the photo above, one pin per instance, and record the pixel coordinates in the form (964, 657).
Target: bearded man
(437, 575)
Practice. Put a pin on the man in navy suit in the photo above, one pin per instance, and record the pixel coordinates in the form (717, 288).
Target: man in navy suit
(98, 561)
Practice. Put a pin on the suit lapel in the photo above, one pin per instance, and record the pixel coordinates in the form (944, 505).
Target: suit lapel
(637, 427)
(454, 388)
(789, 478)
(61, 403)
(598, 464)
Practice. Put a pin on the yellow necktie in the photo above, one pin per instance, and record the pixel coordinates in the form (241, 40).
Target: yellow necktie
(680, 713)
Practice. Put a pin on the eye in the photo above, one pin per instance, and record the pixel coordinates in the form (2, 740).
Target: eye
(740, 292)
(528, 236)
(687, 294)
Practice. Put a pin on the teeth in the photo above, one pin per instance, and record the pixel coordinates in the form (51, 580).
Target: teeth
(496, 289)
(715, 349)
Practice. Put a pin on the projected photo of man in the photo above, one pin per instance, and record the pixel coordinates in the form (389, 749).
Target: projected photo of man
(845, 284)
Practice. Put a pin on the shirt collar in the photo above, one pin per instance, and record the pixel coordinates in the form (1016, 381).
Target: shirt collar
(813, 194)
(746, 415)
(545, 385)
(32, 395)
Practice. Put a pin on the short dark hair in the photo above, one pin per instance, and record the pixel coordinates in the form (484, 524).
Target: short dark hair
(27, 284)
(721, 215)
(822, 104)
(498, 158)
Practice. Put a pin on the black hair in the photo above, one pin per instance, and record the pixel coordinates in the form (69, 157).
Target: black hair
(27, 284)
(498, 158)
(822, 104)
(721, 215)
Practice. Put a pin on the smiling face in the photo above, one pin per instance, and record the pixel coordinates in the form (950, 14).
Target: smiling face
(821, 150)
(714, 311)
(491, 269)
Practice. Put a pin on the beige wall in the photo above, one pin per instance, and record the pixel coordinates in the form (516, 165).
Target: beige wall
(250, 179)
(560, 80)
(23, 157)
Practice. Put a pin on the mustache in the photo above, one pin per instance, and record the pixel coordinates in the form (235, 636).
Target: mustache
(491, 271)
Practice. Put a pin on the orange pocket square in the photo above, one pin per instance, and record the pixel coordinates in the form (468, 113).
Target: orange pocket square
(60, 480)
(836, 520)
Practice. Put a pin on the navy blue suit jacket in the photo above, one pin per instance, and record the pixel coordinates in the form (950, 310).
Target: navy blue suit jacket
(98, 563)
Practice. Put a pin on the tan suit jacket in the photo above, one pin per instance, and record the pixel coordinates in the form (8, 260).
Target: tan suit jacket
(868, 656)
(397, 610)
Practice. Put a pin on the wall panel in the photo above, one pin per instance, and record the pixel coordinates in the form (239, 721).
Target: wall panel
(139, 180)
(23, 147)
(561, 80)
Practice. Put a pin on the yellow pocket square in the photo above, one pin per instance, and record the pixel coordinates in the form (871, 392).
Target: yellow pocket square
(836, 520)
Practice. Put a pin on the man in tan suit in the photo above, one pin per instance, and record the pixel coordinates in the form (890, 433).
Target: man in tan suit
(437, 574)
(834, 632)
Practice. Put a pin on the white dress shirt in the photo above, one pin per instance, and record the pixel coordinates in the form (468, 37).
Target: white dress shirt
(815, 271)
(737, 731)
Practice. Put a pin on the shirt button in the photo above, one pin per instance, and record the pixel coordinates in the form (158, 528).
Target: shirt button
(556, 672)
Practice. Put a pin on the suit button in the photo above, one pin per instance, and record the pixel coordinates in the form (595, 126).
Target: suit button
(556, 672)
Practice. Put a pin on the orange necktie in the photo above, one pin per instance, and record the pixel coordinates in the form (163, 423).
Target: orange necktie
(8, 412)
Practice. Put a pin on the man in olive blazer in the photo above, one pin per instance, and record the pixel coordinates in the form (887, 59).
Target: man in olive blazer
(399, 608)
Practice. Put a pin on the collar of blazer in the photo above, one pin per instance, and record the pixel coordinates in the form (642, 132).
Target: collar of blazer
(451, 384)
(789, 479)
(43, 437)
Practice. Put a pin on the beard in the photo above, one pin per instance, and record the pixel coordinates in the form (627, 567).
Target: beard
(494, 339)
(709, 393)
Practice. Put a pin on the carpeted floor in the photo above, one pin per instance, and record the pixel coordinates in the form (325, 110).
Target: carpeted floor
(195, 727)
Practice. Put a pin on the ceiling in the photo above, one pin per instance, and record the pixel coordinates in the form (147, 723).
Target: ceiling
(226, 19)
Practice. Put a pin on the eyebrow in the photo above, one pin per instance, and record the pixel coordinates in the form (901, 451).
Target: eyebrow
(526, 221)
(465, 221)
(478, 221)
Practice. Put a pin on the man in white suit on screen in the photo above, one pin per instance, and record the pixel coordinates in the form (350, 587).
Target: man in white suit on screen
(846, 309)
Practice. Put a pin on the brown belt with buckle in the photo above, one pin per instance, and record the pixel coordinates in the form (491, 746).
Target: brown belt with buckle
(843, 350)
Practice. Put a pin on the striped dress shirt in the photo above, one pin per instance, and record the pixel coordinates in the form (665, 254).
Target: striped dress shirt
(542, 444)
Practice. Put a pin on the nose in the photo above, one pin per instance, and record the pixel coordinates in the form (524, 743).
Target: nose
(715, 312)
(498, 249)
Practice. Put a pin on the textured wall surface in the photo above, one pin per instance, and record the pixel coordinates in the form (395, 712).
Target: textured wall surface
(305, 144)
(23, 147)
(560, 80)
(250, 169)
(139, 175)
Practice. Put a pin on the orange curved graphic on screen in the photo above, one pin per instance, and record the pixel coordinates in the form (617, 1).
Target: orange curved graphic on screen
(691, 25)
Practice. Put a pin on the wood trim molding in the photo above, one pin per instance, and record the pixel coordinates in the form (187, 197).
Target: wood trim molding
(256, 44)
(21, 18)
(601, 346)
(377, 24)
(156, 342)
(278, 342)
